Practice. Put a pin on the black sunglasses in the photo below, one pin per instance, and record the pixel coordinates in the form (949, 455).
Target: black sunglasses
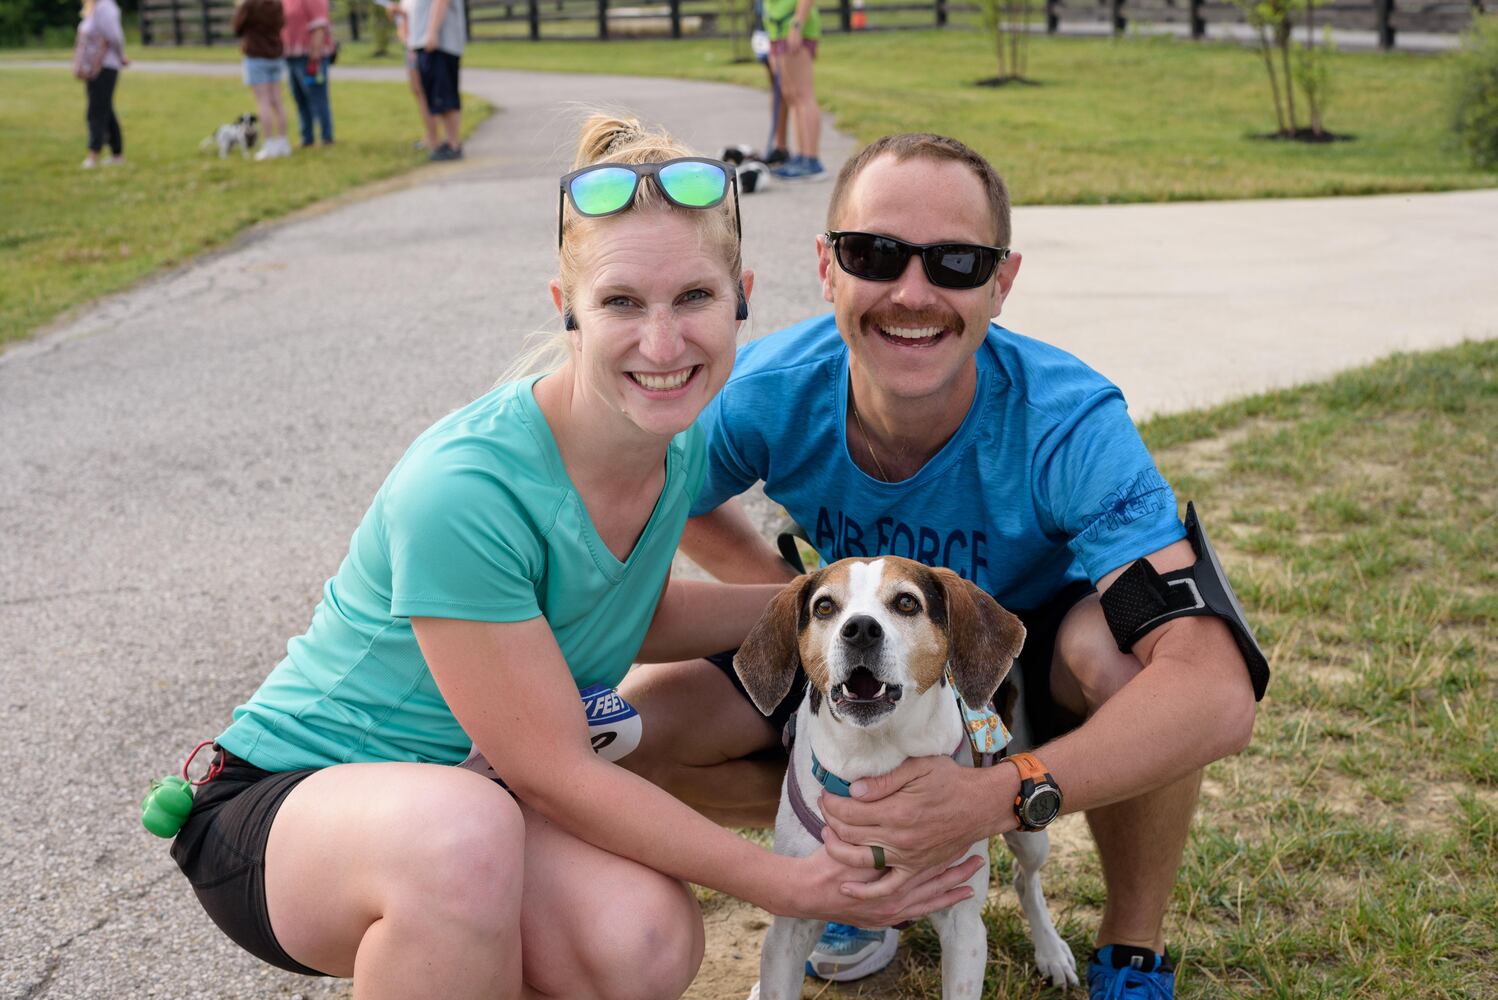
(601, 189)
(883, 258)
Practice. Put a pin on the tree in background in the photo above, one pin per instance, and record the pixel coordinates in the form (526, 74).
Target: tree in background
(24, 22)
(1007, 23)
(1474, 93)
(1290, 65)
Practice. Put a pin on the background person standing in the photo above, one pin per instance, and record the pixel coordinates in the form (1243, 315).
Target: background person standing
(308, 40)
(401, 13)
(257, 24)
(102, 19)
(438, 32)
(795, 28)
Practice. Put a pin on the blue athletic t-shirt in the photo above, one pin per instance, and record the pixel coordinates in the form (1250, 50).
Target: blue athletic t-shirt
(1045, 482)
(477, 521)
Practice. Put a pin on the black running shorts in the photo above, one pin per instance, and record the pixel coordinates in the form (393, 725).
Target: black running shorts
(221, 850)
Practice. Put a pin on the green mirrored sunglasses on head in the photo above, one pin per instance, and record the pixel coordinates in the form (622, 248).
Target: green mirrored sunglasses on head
(601, 189)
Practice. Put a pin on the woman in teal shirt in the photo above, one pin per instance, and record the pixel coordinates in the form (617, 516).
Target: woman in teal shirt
(519, 551)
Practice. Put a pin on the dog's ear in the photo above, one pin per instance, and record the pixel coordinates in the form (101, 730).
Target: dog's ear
(767, 661)
(982, 638)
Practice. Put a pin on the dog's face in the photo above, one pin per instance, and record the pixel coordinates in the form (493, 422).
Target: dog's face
(870, 632)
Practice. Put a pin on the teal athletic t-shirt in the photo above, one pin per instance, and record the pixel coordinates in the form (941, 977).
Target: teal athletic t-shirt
(477, 521)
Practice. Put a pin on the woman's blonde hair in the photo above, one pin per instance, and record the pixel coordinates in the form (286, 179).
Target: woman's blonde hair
(608, 138)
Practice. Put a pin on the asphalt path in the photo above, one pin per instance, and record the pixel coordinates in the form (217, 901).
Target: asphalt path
(181, 465)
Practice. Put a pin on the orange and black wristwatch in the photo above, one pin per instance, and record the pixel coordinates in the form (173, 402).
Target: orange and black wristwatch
(1039, 799)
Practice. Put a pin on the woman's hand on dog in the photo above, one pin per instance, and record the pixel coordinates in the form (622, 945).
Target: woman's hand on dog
(924, 813)
(864, 897)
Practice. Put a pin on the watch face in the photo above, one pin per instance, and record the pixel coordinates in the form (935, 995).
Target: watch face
(1043, 806)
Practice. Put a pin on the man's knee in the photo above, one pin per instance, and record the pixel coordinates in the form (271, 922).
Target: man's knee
(1089, 668)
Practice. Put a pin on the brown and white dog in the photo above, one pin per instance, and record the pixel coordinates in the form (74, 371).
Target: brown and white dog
(875, 638)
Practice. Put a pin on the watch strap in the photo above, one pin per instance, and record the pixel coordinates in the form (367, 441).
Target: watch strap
(1029, 766)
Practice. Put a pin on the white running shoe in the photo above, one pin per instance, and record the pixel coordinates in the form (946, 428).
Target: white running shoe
(845, 953)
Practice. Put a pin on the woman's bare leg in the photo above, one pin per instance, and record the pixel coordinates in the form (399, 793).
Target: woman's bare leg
(799, 93)
(413, 878)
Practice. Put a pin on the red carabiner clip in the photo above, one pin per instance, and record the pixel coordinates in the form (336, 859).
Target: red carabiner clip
(213, 769)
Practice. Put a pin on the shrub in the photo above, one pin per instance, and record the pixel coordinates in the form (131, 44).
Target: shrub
(1475, 93)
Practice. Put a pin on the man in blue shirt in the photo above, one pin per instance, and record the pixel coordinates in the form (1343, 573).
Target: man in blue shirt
(908, 423)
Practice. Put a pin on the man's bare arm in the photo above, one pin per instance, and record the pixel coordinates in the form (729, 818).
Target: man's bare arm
(726, 544)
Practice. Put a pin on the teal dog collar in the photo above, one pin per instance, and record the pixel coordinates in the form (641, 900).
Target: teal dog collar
(828, 780)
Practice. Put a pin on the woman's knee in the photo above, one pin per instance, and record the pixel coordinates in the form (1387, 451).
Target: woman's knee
(466, 864)
(648, 944)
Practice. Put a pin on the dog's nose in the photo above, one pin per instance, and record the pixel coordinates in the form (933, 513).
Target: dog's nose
(861, 632)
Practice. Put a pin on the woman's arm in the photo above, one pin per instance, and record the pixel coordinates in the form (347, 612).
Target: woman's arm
(701, 617)
(510, 689)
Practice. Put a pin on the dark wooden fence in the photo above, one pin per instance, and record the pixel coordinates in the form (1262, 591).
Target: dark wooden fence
(206, 22)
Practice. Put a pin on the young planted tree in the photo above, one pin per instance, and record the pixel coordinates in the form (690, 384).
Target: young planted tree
(1292, 65)
(1007, 23)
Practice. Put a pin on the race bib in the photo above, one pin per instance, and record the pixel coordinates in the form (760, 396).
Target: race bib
(614, 729)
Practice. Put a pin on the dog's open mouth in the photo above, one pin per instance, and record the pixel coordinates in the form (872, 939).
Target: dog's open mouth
(863, 688)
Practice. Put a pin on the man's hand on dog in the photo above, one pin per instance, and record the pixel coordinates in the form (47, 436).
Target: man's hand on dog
(863, 897)
(924, 813)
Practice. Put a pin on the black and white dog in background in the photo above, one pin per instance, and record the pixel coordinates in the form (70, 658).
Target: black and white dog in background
(242, 132)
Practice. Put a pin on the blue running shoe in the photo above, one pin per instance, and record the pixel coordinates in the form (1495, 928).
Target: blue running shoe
(792, 169)
(845, 953)
(1121, 972)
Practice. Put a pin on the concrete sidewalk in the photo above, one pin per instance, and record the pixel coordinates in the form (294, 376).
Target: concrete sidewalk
(182, 465)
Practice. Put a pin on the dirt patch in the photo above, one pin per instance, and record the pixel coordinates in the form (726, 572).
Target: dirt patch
(1006, 81)
(1306, 135)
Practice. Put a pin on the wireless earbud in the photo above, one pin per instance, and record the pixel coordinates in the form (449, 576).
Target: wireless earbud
(568, 322)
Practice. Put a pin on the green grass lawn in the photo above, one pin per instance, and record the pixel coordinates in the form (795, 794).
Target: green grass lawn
(1352, 850)
(69, 235)
(1134, 119)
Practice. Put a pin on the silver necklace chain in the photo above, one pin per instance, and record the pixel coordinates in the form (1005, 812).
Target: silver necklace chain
(868, 442)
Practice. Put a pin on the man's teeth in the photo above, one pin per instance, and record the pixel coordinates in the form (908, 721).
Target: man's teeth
(911, 332)
(670, 380)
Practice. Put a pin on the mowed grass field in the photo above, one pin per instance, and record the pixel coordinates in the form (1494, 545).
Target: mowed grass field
(69, 235)
(1351, 852)
(1109, 120)
(1126, 120)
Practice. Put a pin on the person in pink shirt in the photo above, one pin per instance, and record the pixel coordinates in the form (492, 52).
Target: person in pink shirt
(308, 42)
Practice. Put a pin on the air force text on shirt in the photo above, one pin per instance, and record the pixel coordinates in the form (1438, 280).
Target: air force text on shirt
(839, 536)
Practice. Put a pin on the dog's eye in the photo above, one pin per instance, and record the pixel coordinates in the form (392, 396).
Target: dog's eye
(823, 607)
(907, 605)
